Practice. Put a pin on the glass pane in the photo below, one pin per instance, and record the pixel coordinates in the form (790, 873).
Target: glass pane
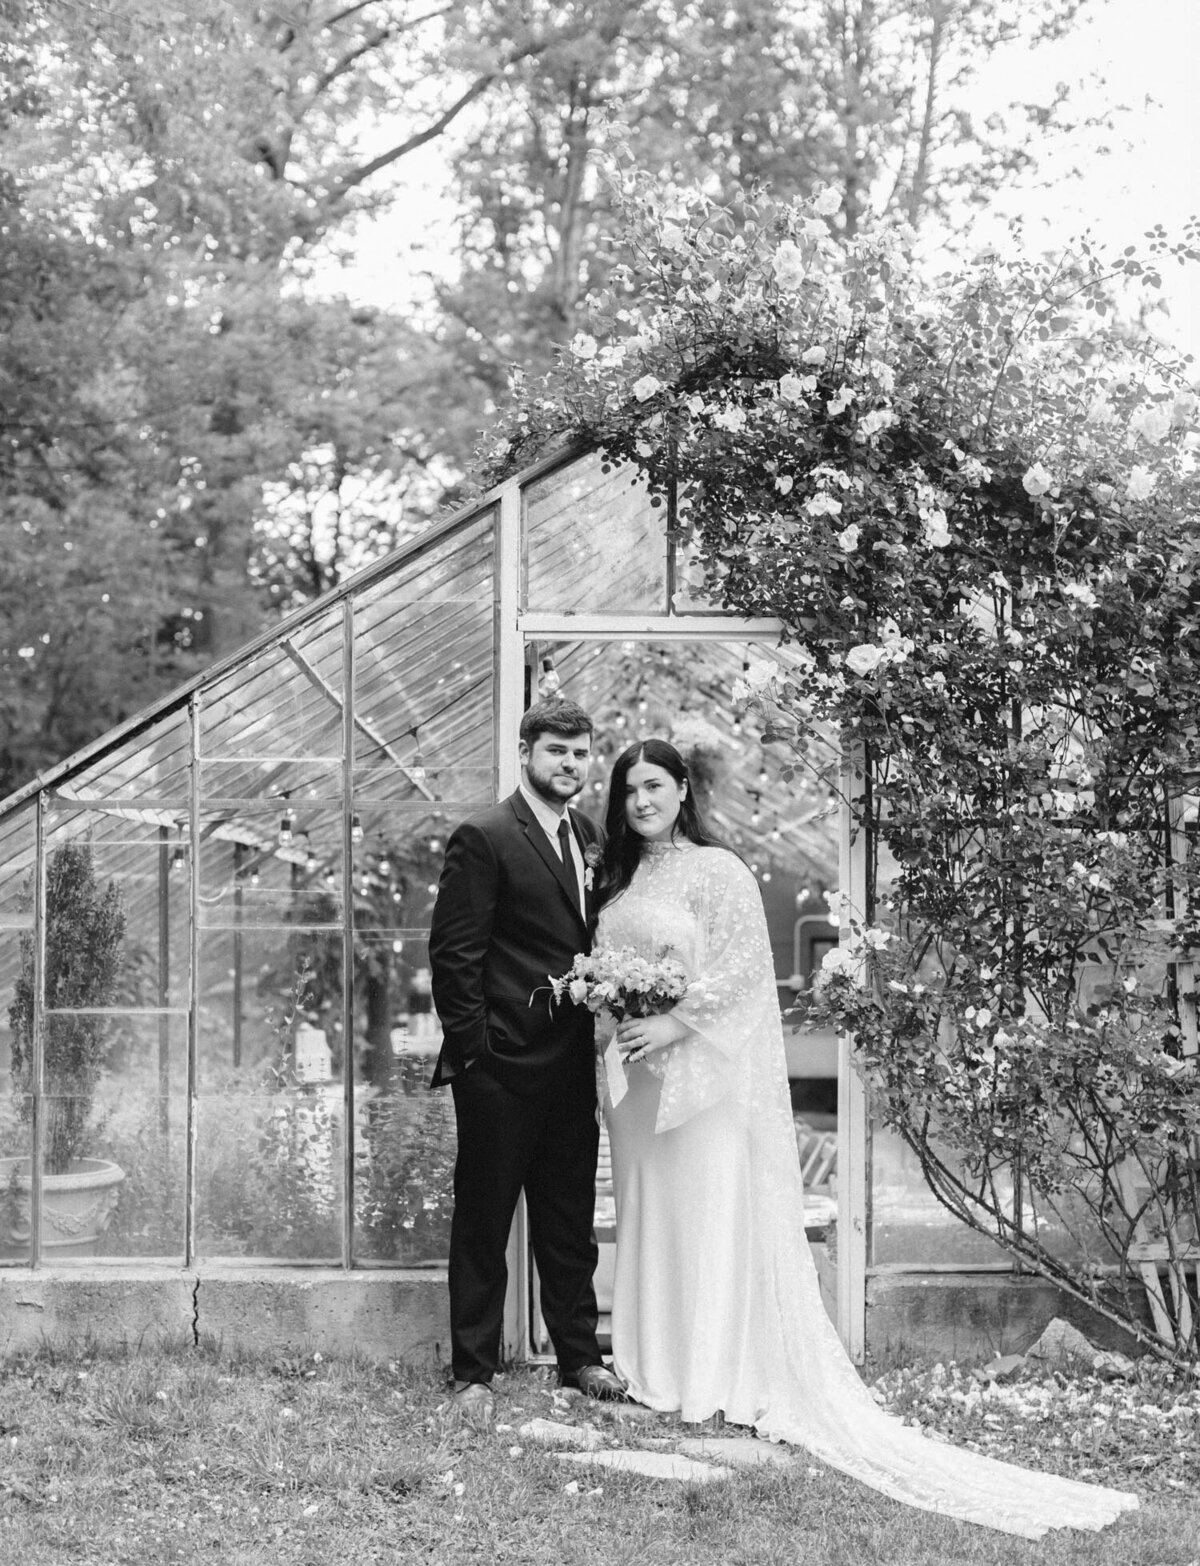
(149, 772)
(423, 700)
(284, 704)
(16, 1111)
(254, 871)
(16, 861)
(404, 1168)
(133, 1141)
(593, 542)
(270, 1146)
(269, 1176)
(458, 565)
(908, 1223)
(131, 876)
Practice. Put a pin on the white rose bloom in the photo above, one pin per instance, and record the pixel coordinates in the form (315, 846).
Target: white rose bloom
(672, 236)
(732, 419)
(1140, 484)
(1152, 422)
(848, 537)
(814, 355)
(840, 401)
(759, 675)
(937, 529)
(789, 265)
(791, 388)
(1081, 593)
(827, 203)
(864, 658)
(823, 506)
(1037, 481)
(644, 389)
(583, 346)
(784, 483)
(878, 419)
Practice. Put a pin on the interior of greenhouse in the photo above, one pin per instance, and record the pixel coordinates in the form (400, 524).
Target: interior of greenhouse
(213, 922)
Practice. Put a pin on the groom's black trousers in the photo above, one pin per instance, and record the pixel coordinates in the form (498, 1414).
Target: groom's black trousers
(543, 1140)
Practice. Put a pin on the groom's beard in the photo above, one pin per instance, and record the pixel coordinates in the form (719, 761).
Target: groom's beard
(551, 785)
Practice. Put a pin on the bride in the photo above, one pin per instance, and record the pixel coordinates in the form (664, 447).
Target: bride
(716, 1305)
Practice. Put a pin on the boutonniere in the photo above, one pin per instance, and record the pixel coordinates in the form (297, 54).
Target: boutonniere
(591, 858)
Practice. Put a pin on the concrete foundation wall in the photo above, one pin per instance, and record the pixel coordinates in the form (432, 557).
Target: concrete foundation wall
(972, 1317)
(384, 1315)
(404, 1315)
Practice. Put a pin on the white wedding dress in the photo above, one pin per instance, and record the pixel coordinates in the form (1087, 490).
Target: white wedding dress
(716, 1304)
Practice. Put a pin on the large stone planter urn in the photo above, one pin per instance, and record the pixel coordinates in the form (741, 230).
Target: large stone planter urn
(76, 1207)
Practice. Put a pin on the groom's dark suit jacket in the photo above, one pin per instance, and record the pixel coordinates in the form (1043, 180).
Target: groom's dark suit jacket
(504, 922)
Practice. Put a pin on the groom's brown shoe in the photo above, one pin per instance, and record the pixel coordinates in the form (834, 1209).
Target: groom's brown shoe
(598, 1382)
(474, 1403)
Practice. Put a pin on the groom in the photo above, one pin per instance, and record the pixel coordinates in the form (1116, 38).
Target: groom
(513, 908)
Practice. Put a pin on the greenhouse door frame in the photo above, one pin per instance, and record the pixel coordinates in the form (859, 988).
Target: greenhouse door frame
(515, 631)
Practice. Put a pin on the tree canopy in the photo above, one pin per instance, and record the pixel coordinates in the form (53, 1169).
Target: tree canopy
(195, 437)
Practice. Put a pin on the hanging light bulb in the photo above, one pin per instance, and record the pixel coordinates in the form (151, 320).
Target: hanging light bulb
(766, 875)
(435, 845)
(254, 876)
(356, 828)
(330, 878)
(178, 860)
(549, 681)
(286, 835)
(417, 769)
(764, 776)
(385, 864)
(310, 859)
(397, 947)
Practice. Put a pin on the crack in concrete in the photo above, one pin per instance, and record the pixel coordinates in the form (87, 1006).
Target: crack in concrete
(196, 1314)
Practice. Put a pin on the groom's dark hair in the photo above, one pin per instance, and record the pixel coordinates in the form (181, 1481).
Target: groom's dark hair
(556, 716)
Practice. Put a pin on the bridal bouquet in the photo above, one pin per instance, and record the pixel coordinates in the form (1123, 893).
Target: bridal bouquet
(622, 983)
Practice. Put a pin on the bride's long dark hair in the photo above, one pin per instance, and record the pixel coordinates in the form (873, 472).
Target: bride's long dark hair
(623, 847)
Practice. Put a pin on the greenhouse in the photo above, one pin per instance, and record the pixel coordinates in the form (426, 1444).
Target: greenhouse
(216, 1016)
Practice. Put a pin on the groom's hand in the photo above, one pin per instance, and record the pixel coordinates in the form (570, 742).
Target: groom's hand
(637, 1036)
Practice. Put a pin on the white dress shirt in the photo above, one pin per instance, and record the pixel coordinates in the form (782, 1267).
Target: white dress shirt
(548, 819)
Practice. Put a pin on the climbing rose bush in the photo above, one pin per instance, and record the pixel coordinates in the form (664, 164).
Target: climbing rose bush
(970, 500)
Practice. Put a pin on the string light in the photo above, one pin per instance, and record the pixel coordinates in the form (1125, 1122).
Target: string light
(435, 845)
(385, 864)
(330, 877)
(254, 877)
(356, 828)
(417, 770)
(286, 834)
(178, 860)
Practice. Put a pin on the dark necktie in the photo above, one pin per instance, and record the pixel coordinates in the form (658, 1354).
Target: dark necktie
(564, 849)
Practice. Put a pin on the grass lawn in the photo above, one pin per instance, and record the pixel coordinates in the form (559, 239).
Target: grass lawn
(188, 1456)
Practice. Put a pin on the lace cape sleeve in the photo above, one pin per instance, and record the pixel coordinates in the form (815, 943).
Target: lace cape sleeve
(730, 1004)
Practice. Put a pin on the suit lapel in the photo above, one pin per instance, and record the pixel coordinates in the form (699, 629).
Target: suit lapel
(547, 853)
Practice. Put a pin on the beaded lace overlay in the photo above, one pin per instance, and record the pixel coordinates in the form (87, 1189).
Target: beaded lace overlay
(722, 1111)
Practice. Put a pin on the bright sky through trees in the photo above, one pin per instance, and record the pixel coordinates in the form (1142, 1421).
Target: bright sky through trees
(1143, 170)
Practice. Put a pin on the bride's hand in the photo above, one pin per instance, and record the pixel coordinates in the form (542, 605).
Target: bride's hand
(637, 1036)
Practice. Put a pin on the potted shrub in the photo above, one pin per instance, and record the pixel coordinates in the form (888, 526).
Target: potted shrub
(85, 929)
